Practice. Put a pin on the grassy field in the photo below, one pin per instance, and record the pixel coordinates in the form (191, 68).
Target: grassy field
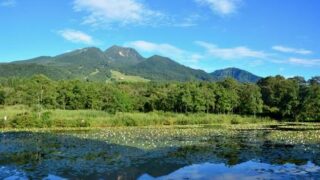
(24, 117)
(119, 77)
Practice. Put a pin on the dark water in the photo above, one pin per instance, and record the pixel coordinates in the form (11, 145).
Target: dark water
(135, 153)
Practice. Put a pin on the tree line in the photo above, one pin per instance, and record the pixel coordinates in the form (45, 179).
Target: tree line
(285, 99)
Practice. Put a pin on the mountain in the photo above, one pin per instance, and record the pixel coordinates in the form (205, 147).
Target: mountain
(30, 69)
(238, 74)
(94, 64)
(163, 68)
(120, 57)
(83, 64)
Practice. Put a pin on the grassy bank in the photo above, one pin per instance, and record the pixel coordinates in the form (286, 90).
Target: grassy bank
(23, 117)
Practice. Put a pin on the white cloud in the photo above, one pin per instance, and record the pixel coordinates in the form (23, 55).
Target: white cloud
(163, 49)
(196, 57)
(120, 12)
(231, 53)
(8, 3)
(189, 21)
(221, 7)
(291, 50)
(167, 50)
(304, 62)
(76, 36)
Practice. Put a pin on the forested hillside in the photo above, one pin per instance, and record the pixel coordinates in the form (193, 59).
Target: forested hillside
(165, 69)
(93, 64)
(291, 99)
(238, 74)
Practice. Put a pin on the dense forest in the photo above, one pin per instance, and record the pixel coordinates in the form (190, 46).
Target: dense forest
(292, 99)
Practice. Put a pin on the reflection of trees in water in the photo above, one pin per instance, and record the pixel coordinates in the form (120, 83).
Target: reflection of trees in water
(247, 146)
(40, 154)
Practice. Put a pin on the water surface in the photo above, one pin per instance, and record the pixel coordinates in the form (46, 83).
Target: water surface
(269, 152)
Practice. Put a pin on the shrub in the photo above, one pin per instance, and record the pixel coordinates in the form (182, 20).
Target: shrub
(82, 123)
(235, 120)
(3, 123)
(46, 120)
(24, 120)
(128, 121)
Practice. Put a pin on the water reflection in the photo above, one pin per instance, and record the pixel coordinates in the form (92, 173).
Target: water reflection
(247, 170)
(153, 153)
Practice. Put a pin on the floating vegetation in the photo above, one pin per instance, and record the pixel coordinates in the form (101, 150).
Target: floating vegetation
(129, 152)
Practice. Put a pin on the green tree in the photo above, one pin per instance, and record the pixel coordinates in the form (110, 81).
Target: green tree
(314, 80)
(227, 96)
(64, 94)
(78, 98)
(184, 99)
(40, 91)
(151, 99)
(92, 96)
(250, 99)
(208, 91)
(114, 100)
(310, 109)
(2, 97)
(172, 102)
(280, 96)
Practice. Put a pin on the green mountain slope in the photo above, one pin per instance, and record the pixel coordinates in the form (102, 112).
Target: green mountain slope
(30, 69)
(96, 65)
(162, 68)
(37, 60)
(87, 63)
(238, 74)
(83, 64)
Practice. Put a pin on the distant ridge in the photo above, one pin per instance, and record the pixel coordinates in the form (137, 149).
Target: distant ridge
(93, 64)
(238, 74)
(163, 68)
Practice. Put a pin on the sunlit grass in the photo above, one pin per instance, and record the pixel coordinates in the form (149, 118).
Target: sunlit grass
(93, 118)
(120, 77)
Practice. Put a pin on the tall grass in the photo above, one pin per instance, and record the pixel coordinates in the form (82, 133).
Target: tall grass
(23, 117)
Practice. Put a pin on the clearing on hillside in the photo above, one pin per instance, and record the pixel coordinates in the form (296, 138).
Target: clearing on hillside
(120, 77)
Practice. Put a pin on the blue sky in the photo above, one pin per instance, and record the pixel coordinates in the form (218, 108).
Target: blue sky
(266, 37)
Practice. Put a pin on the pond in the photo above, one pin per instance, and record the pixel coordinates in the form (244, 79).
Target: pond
(192, 152)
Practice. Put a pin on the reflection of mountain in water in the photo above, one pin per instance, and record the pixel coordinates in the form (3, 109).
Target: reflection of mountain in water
(41, 154)
(247, 170)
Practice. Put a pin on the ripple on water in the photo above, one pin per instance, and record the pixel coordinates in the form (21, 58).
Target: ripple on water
(10, 173)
